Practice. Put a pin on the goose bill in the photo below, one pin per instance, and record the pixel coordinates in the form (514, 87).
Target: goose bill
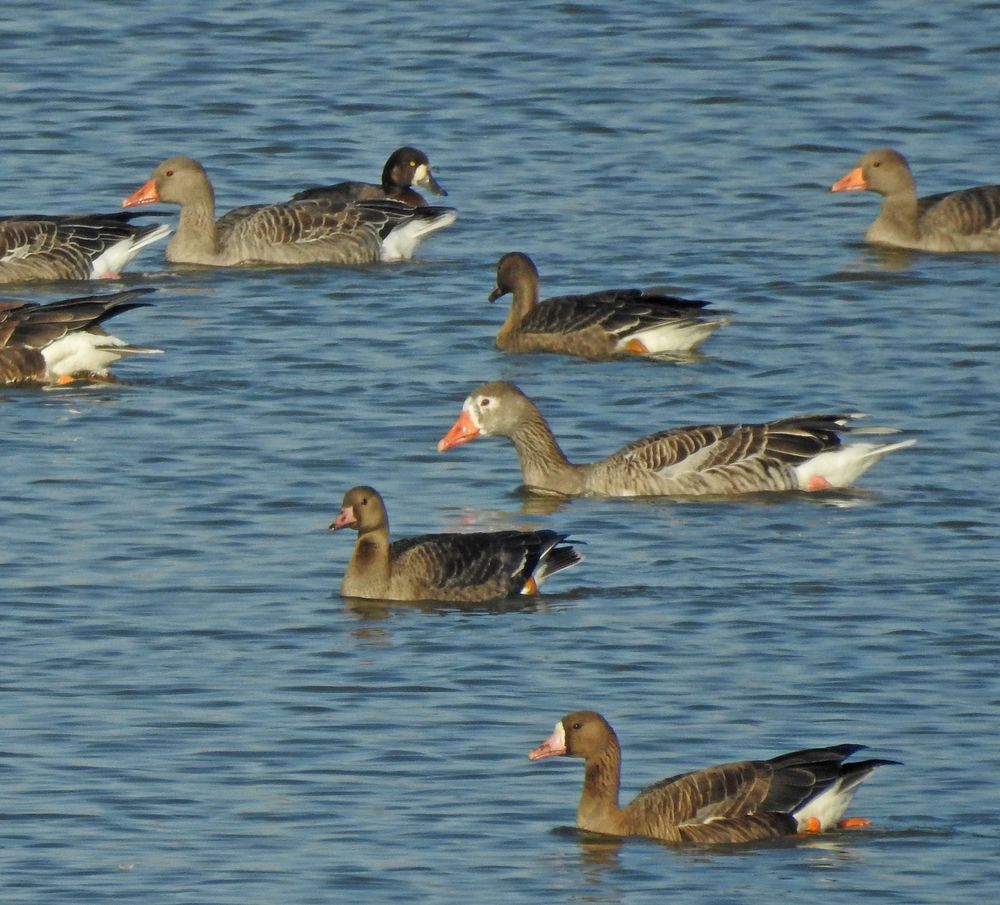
(462, 431)
(553, 746)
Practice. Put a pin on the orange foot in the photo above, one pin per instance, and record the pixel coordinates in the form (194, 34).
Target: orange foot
(637, 347)
(812, 825)
(109, 275)
(65, 379)
(818, 482)
(853, 823)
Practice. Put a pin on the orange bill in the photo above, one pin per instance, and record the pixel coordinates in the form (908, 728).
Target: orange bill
(462, 431)
(147, 194)
(852, 182)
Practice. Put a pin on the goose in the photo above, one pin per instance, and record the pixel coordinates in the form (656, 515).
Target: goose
(62, 341)
(805, 791)
(474, 567)
(965, 220)
(289, 232)
(599, 325)
(797, 453)
(405, 168)
(41, 247)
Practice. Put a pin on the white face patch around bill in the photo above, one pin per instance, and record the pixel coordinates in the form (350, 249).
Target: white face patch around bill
(471, 408)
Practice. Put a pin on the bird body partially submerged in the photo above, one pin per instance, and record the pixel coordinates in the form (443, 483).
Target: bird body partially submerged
(744, 801)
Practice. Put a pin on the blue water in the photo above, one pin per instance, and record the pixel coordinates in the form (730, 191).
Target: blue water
(192, 714)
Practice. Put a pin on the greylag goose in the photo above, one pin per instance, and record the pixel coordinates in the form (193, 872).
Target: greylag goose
(63, 341)
(803, 791)
(966, 220)
(71, 247)
(798, 453)
(290, 232)
(480, 566)
(598, 325)
(405, 168)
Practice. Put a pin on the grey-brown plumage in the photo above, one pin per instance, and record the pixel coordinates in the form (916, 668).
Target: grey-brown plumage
(735, 802)
(319, 230)
(597, 325)
(21, 364)
(693, 460)
(961, 221)
(37, 345)
(39, 247)
(405, 168)
(471, 567)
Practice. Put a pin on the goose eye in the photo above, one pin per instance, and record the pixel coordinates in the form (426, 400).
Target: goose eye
(484, 402)
(578, 725)
(877, 163)
(169, 173)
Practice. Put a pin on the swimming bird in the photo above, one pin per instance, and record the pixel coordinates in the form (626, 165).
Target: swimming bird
(288, 232)
(62, 341)
(405, 168)
(965, 220)
(804, 791)
(40, 247)
(478, 566)
(799, 453)
(599, 325)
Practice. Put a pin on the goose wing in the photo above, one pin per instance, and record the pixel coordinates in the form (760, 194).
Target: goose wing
(617, 311)
(726, 790)
(966, 212)
(498, 563)
(61, 247)
(36, 326)
(704, 447)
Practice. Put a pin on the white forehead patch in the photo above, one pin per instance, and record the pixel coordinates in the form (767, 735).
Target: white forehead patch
(471, 408)
(421, 173)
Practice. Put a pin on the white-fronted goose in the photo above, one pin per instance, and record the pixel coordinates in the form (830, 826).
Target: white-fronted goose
(461, 567)
(966, 220)
(405, 168)
(34, 248)
(316, 231)
(804, 791)
(799, 453)
(599, 325)
(63, 341)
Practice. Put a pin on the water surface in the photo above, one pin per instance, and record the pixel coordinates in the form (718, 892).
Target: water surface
(192, 713)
